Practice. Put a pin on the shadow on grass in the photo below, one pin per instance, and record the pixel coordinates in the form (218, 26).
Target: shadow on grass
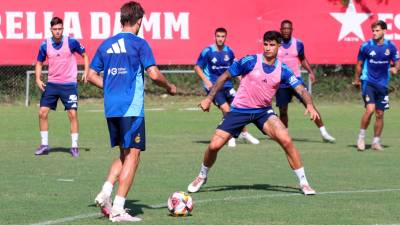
(133, 208)
(367, 146)
(66, 150)
(264, 187)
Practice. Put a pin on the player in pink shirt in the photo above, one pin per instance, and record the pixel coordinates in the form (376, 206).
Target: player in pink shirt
(261, 76)
(291, 53)
(61, 82)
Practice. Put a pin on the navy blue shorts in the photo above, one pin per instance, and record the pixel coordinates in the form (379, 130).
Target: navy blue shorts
(284, 96)
(127, 132)
(373, 94)
(225, 95)
(233, 122)
(68, 93)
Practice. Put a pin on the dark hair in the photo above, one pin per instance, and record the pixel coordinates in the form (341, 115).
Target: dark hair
(56, 20)
(131, 12)
(286, 21)
(380, 23)
(220, 30)
(273, 36)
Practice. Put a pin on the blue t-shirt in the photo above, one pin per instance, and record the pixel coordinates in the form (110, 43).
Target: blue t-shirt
(214, 63)
(376, 61)
(73, 44)
(299, 47)
(123, 58)
(246, 65)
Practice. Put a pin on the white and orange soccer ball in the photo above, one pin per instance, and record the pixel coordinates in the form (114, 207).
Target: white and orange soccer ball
(180, 204)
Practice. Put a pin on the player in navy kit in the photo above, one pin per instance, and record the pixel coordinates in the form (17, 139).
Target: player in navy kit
(213, 61)
(123, 58)
(374, 62)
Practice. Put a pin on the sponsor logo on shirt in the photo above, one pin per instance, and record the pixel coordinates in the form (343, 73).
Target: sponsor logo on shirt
(120, 71)
(117, 48)
(378, 61)
(219, 67)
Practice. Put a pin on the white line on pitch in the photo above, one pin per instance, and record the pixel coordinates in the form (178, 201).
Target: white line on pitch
(190, 109)
(158, 206)
(66, 180)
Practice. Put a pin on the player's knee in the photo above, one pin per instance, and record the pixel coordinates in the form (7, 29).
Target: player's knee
(286, 141)
(379, 114)
(214, 146)
(43, 114)
(72, 115)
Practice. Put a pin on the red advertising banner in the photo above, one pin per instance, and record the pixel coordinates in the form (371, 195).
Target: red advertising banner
(178, 30)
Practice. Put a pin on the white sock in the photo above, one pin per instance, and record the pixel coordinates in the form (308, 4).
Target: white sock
(323, 131)
(244, 133)
(301, 176)
(118, 203)
(107, 188)
(44, 137)
(74, 139)
(376, 140)
(203, 171)
(361, 134)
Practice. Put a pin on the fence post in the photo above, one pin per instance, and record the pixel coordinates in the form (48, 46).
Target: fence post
(27, 88)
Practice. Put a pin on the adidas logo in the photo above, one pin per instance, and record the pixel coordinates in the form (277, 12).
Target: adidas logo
(117, 47)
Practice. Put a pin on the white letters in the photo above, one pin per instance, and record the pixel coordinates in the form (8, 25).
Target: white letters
(31, 26)
(12, 25)
(385, 17)
(151, 24)
(100, 30)
(1, 36)
(72, 24)
(117, 23)
(182, 22)
(397, 25)
(47, 19)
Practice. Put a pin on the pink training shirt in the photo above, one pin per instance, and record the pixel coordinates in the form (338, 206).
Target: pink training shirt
(290, 57)
(62, 63)
(257, 88)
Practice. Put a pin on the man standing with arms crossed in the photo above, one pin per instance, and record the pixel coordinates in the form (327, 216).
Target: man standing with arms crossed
(61, 82)
(262, 74)
(292, 54)
(213, 61)
(374, 60)
(123, 58)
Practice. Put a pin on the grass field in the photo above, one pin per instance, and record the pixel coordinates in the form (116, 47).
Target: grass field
(248, 185)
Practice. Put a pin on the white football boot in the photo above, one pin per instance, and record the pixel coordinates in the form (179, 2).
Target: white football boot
(122, 216)
(196, 184)
(249, 138)
(307, 190)
(104, 202)
(232, 143)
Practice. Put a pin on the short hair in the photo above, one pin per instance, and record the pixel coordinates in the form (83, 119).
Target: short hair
(56, 20)
(286, 21)
(380, 23)
(131, 12)
(273, 35)
(221, 30)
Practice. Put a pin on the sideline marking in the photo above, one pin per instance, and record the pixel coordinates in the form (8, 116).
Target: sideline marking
(163, 205)
(65, 180)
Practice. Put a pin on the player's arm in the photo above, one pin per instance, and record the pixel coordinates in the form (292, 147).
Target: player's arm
(304, 61)
(357, 74)
(160, 80)
(86, 67)
(206, 81)
(395, 68)
(395, 60)
(38, 75)
(302, 91)
(205, 104)
(94, 77)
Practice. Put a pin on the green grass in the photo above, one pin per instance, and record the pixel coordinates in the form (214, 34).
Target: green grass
(248, 185)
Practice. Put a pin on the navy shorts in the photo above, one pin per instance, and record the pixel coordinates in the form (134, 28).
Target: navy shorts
(284, 96)
(127, 132)
(373, 94)
(225, 95)
(68, 93)
(233, 122)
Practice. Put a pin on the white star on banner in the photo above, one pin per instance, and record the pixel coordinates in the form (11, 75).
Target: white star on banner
(351, 21)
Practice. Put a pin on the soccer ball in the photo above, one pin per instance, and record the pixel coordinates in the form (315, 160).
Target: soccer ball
(180, 204)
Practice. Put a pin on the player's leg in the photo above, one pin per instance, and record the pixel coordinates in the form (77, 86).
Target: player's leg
(277, 131)
(326, 137)
(231, 125)
(382, 104)
(48, 101)
(368, 95)
(225, 108)
(69, 98)
(283, 98)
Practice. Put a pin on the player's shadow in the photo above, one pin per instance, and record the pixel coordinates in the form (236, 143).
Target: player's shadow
(367, 146)
(133, 208)
(238, 140)
(67, 150)
(305, 140)
(263, 187)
